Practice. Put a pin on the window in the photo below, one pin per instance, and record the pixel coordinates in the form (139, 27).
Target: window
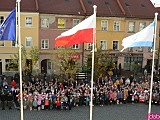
(116, 26)
(61, 23)
(115, 45)
(133, 62)
(103, 44)
(1, 43)
(1, 19)
(131, 27)
(28, 42)
(89, 46)
(75, 22)
(140, 49)
(76, 46)
(28, 21)
(45, 23)
(45, 44)
(11, 65)
(104, 25)
(130, 49)
(142, 25)
(13, 43)
(149, 49)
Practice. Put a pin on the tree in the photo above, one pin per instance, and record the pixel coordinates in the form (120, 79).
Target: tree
(64, 59)
(15, 58)
(34, 55)
(104, 63)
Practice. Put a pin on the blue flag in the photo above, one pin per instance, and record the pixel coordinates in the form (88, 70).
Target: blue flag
(8, 27)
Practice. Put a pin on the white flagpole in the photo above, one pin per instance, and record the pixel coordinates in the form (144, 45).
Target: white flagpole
(20, 59)
(151, 84)
(93, 50)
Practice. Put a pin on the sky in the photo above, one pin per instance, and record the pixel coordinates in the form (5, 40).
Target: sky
(155, 1)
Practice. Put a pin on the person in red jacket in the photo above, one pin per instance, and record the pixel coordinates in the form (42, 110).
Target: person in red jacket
(13, 83)
(58, 104)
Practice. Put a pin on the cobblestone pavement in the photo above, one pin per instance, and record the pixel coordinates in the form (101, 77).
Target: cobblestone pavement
(110, 112)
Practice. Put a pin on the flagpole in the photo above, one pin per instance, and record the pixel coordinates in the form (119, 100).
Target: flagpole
(151, 84)
(16, 27)
(93, 50)
(20, 60)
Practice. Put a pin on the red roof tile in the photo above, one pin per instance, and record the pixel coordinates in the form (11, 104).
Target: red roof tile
(25, 5)
(67, 7)
(138, 8)
(107, 8)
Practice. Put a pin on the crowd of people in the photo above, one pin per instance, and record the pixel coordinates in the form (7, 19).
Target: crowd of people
(40, 94)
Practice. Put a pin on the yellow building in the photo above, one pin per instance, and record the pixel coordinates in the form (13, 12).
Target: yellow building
(141, 55)
(29, 37)
(109, 34)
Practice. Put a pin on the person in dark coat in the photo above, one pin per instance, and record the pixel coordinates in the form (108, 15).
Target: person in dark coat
(10, 100)
(15, 93)
(3, 99)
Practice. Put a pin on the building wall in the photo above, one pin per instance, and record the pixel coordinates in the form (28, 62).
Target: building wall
(147, 54)
(8, 50)
(51, 32)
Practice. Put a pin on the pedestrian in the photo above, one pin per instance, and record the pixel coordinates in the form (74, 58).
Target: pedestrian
(125, 95)
(58, 104)
(25, 101)
(39, 102)
(101, 97)
(46, 103)
(35, 103)
(115, 97)
(118, 97)
(3, 99)
(106, 97)
(145, 72)
(111, 97)
(10, 100)
(13, 84)
(30, 100)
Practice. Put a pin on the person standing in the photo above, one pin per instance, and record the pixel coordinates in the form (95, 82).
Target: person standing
(125, 95)
(3, 99)
(145, 72)
(10, 100)
(13, 84)
(58, 104)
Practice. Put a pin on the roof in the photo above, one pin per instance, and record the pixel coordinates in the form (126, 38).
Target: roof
(138, 8)
(108, 8)
(25, 5)
(105, 8)
(66, 7)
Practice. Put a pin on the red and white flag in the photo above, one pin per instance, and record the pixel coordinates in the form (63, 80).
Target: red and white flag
(81, 33)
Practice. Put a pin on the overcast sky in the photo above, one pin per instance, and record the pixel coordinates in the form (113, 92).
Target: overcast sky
(155, 1)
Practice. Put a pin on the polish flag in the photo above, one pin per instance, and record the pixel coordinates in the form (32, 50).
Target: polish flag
(81, 33)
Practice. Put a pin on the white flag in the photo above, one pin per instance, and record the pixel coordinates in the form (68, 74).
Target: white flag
(143, 38)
